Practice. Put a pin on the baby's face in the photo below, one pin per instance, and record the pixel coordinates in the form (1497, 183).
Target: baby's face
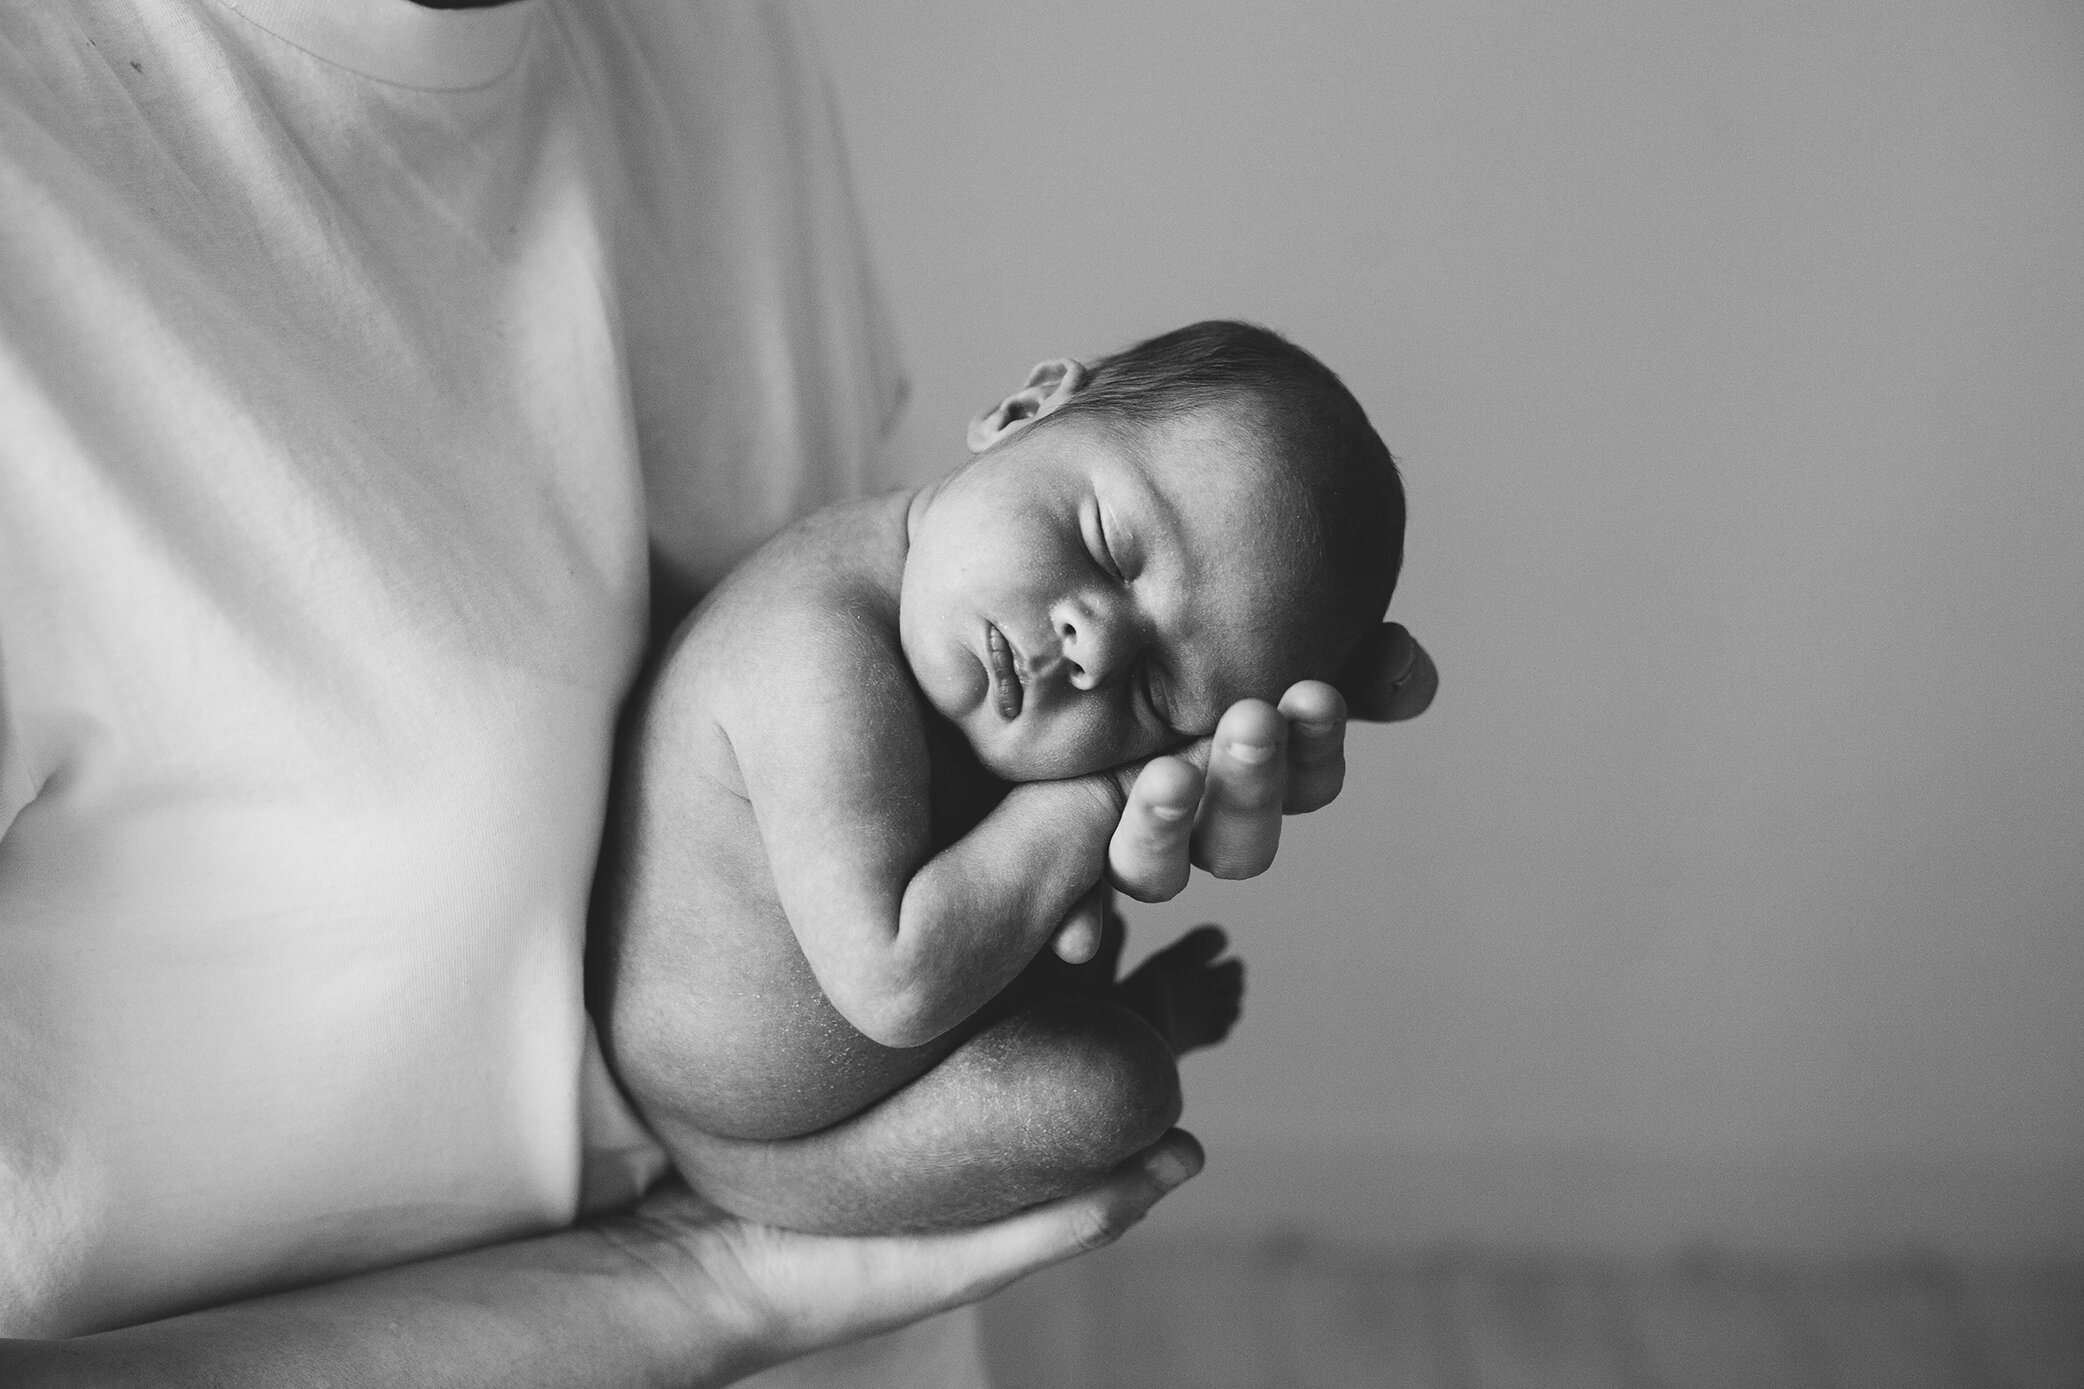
(1073, 601)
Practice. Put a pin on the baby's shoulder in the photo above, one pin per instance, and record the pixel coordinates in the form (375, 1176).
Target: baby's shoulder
(806, 624)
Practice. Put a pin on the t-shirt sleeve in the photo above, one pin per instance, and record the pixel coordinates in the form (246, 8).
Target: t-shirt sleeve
(17, 788)
(763, 368)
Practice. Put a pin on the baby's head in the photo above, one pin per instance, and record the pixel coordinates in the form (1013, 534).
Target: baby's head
(1205, 517)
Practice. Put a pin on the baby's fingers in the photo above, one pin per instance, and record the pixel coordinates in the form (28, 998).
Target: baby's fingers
(1078, 939)
(1147, 857)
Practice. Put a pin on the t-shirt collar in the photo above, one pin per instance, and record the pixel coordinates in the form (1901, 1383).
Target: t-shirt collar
(398, 41)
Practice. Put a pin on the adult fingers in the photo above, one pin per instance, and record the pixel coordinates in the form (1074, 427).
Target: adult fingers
(1147, 857)
(1316, 715)
(816, 1290)
(982, 1260)
(1239, 829)
(1389, 677)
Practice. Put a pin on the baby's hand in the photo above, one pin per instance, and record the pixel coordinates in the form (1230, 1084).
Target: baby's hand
(1078, 939)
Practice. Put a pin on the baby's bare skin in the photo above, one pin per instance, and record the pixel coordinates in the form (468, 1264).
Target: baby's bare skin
(726, 1020)
(822, 941)
(815, 865)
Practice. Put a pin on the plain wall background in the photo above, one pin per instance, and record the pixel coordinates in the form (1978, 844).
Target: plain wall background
(1735, 359)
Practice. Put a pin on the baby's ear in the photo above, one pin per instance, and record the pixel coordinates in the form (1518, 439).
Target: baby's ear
(1389, 676)
(1049, 385)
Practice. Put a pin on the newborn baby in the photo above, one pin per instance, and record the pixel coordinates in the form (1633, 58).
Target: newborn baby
(880, 767)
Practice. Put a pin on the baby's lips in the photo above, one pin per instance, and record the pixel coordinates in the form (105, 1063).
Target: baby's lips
(1006, 692)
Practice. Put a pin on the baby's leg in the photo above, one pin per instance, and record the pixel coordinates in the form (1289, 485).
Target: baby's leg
(717, 1027)
(1034, 1106)
(1067, 1076)
(773, 1104)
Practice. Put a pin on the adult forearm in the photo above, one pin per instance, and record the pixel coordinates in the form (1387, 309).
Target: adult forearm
(674, 1293)
(586, 1307)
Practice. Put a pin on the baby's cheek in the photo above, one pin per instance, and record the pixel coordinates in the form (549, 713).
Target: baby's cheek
(1112, 737)
(1072, 741)
(1069, 743)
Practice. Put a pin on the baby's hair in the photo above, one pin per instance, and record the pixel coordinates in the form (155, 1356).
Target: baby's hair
(1304, 416)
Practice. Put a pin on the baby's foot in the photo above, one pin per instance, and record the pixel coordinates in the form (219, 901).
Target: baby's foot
(1184, 991)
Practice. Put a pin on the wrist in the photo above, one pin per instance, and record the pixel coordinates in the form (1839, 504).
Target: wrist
(683, 1290)
(1111, 787)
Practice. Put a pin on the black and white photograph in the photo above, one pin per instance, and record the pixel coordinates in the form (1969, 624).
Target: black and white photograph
(1366, 693)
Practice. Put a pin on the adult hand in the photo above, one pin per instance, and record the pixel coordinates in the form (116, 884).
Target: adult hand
(806, 1292)
(674, 1292)
(1219, 803)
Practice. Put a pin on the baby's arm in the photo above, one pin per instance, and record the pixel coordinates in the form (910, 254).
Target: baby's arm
(906, 943)
(976, 912)
(807, 683)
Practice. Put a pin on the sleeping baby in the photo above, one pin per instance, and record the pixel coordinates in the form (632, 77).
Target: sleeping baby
(878, 772)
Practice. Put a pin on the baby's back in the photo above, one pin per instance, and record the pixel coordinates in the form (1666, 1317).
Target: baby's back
(715, 1017)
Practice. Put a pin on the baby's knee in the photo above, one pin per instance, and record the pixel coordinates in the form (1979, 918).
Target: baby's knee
(1100, 1083)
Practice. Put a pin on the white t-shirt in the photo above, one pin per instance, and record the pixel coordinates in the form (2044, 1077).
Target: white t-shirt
(348, 351)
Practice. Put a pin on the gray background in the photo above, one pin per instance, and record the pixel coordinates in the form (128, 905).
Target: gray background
(1735, 357)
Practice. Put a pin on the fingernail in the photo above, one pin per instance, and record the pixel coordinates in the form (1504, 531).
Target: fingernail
(1168, 1169)
(1171, 812)
(1251, 753)
(1316, 728)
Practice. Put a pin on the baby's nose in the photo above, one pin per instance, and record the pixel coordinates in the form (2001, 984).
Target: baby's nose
(1096, 639)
